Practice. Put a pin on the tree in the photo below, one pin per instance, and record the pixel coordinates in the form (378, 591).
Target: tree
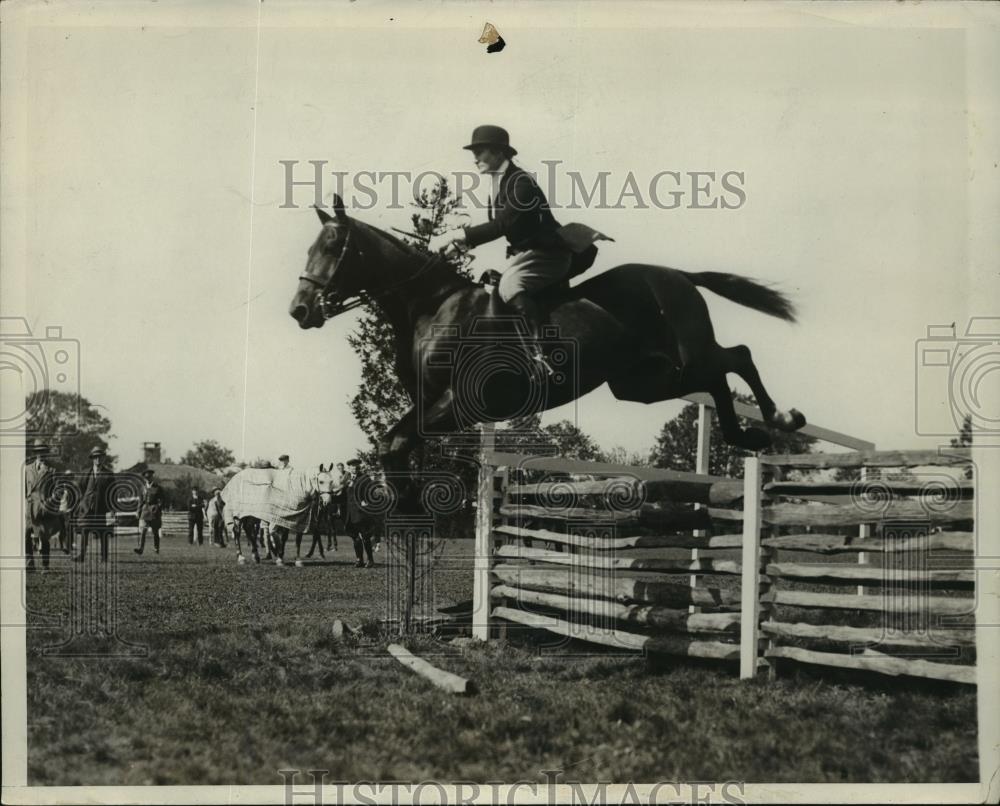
(70, 424)
(677, 444)
(208, 455)
(619, 455)
(964, 440)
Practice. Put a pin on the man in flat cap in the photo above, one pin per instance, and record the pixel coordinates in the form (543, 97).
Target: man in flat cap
(41, 515)
(95, 504)
(537, 256)
(283, 462)
(150, 511)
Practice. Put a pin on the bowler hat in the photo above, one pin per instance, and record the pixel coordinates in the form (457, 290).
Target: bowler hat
(353, 462)
(491, 136)
(97, 451)
(148, 473)
(283, 457)
(38, 447)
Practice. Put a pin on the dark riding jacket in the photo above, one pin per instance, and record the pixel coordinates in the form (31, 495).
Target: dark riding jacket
(95, 500)
(520, 213)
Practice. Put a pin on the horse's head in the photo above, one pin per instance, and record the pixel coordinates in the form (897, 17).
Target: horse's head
(332, 279)
(323, 484)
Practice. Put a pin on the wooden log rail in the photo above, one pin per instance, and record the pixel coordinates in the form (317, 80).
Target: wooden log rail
(660, 565)
(619, 639)
(617, 588)
(652, 616)
(819, 543)
(625, 542)
(947, 457)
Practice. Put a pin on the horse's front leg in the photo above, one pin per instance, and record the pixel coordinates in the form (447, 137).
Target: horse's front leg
(395, 447)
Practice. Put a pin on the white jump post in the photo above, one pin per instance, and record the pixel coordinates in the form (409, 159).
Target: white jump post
(701, 466)
(750, 572)
(483, 551)
(864, 532)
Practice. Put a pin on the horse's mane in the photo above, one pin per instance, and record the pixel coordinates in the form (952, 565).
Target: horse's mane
(416, 252)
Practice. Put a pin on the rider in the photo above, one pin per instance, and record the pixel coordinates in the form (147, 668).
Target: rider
(537, 255)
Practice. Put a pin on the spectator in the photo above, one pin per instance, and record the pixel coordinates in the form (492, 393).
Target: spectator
(68, 498)
(339, 490)
(357, 521)
(216, 518)
(196, 518)
(283, 462)
(38, 481)
(92, 515)
(150, 512)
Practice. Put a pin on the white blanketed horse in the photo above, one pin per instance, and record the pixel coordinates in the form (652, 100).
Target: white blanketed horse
(269, 503)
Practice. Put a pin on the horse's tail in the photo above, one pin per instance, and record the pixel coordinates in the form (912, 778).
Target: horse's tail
(744, 291)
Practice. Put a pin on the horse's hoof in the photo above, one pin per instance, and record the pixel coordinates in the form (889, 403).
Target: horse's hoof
(241, 560)
(278, 561)
(299, 563)
(791, 420)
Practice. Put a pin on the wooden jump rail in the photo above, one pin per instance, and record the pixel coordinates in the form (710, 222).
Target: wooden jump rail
(598, 559)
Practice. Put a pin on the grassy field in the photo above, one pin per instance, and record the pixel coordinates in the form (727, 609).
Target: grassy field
(243, 677)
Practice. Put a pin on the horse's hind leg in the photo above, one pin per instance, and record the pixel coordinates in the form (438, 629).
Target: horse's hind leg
(740, 360)
(750, 439)
(703, 363)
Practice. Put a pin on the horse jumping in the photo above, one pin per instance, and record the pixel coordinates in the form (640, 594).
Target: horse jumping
(642, 329)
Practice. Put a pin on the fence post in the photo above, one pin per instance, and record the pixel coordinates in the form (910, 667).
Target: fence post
(701, 466)
(750, 574)
(864, 532)
(483, 551)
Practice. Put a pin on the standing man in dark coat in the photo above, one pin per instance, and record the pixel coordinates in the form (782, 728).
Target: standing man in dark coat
(537, 256)
(196, 517)
(95, 504)
(357, 520)
(150, 512)
(41, 517)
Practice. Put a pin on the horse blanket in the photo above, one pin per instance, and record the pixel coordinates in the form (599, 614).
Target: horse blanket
(280, 497)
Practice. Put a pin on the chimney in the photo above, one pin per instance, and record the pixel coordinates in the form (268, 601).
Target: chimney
(151, 453)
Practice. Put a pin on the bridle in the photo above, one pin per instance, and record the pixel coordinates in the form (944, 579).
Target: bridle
(330, 306)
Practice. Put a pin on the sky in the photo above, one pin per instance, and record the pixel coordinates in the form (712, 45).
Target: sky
(151, 227)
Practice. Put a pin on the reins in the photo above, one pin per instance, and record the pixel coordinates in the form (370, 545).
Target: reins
(330, 309)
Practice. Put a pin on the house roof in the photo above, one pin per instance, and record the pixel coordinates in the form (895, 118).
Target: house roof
(167, 473)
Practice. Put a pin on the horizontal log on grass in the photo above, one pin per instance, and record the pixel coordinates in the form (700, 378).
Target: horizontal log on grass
(614, 587)
(951, 456)
(660, 644)
(939, 605)
(913, 487)
(439, 677)
(705, 566)
(852, 515)
(680, 541)
(882, 664)
(940, 638)
(874, 574)
(833, 544)
(647, 615)
(648, 514)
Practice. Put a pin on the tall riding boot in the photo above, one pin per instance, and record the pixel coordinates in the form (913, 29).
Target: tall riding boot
(525, 305)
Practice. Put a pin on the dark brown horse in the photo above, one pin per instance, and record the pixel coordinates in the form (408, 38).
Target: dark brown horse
(644, 330)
